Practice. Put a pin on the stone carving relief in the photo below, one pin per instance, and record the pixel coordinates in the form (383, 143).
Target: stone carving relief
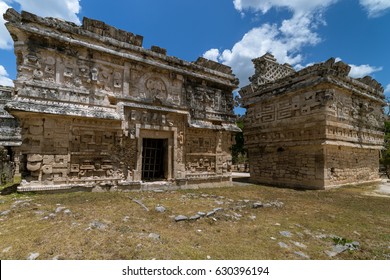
(209, 103)
(73, 71)
(199, 164)
(151, 87)
(156, 89)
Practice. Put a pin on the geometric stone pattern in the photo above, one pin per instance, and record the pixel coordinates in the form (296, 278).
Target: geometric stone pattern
(315, 128)
(9, 130)
(87, 96)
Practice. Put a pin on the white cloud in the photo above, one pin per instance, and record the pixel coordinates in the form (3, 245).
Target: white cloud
(65, 9)
(297, 6)
(375, 8)
(299, 66)
(212, 54)
(5, 39)
(359, 71)
(387, 89)
(283, 39)
(258, 41)
(4, 80)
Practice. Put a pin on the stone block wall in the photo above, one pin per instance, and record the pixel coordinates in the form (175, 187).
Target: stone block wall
(294, 166)
(350, 165)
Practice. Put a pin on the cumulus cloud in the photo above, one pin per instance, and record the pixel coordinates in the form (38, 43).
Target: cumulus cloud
(375, 8)
(5, 38)
(387, 88)
(359, 71)
(297, 6)
(284, 39)
(4, 80)
(212, 54)
(65, 9)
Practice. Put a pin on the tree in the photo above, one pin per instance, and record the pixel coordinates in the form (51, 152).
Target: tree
(239, 153)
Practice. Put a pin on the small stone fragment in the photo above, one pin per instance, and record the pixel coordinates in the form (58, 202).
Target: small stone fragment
(286, 233)
(33, 256)
(209, 214)
(181, 218)
(202, 214)
(301, 254)
(337, 249)
(160, 209)
(154, 236)
(257, 204)
(277, 204)
(283, 245)
(4, 213)
(59, 209)
(97, 225)
(299, 244)
(195, 217)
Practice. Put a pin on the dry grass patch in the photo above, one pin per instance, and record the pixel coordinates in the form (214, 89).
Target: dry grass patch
(112, 226)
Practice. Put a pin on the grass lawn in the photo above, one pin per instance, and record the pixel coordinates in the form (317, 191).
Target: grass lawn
(111, 225)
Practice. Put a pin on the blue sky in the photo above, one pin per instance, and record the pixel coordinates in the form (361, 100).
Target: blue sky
(299, 32)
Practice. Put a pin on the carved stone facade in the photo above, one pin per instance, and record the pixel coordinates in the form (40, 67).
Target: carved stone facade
(315, 128)
(9, 136)
(95, 108)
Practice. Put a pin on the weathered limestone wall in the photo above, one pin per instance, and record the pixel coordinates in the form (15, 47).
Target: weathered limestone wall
(9, 129)
(315, 128)
(6, 167)
(9, 136)
(350, 165)
(294, 166)
(88, 96)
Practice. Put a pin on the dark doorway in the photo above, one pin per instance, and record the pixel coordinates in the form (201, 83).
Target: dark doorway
(153, 155)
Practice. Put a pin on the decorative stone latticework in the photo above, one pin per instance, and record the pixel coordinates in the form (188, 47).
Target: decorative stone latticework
(95, 108)
(315, 128)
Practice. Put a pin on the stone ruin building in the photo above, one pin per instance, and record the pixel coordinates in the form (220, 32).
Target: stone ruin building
(316, 128)
(95, 109)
